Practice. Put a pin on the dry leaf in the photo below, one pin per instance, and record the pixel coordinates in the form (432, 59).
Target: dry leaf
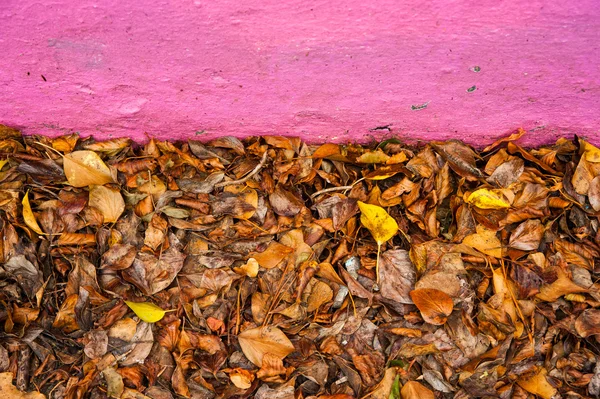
(538, 385)
(241, 378)
(435, 305)
(108, 201)
(28, 215)
(258, 341)
(485, 241)
(250, 269)
(414, 390)
(527, 235)
(9, 391)
(85, 168)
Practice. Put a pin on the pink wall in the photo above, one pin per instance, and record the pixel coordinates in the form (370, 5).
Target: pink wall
(322, 69)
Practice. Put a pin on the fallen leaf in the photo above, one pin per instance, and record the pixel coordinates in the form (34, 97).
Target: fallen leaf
(9, 391)
(28, 215)
(108, 201)
(380, 224)
(85, 168)
(488, 199)
(527, 235)
(397, 275)
(538, 385)
(250, 269)
(241, 378)
(588, 323)
(435, 305)
(258, 341)
(146, 311)
(485, 241)
(414, 390)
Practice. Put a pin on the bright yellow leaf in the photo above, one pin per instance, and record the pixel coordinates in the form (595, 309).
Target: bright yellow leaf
(146, 311)
(85, 168)
(488, 199)
(29, 217)
(381, 225)
(2, 163)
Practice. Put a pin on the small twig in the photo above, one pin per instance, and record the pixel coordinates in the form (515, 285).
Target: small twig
(248, 176)
(341, 188)
(330, 189)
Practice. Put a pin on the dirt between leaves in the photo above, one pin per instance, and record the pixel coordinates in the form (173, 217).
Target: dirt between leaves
(274, 269)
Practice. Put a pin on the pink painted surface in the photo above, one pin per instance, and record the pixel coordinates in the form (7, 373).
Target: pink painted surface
(324, 70)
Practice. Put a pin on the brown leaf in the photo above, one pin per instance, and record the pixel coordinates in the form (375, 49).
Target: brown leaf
(588, 323)
(414, 390)
(397, 276)
(153, 274)
(527, 235)
(435, 305)
(284, 202)
(256, 342)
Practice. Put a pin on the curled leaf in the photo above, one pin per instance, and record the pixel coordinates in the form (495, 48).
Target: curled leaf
(28, 215)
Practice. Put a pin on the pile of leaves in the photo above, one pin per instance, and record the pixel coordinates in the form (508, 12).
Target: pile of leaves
(275, 269)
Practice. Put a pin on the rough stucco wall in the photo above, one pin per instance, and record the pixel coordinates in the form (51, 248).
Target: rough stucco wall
(324, 70)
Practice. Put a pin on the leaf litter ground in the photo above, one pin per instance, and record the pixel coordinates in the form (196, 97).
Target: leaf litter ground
(274, 269)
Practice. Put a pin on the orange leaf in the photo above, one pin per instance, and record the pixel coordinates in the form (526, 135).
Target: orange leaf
(435, 305)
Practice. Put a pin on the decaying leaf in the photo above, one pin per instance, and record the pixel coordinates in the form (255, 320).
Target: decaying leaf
(272, 268)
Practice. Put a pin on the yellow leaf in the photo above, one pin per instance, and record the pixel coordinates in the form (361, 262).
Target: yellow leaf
(256, 342)
(485, 241)
(85, 168)
(376, 156)
(488, 199)
(9, 391)
(591, 153)
(381, 225)
(29, 217)
(2, 163)
(146, 311)
(108, 201)
(538, 385)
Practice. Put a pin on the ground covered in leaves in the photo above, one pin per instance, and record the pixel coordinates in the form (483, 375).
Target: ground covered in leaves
(274, 269)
